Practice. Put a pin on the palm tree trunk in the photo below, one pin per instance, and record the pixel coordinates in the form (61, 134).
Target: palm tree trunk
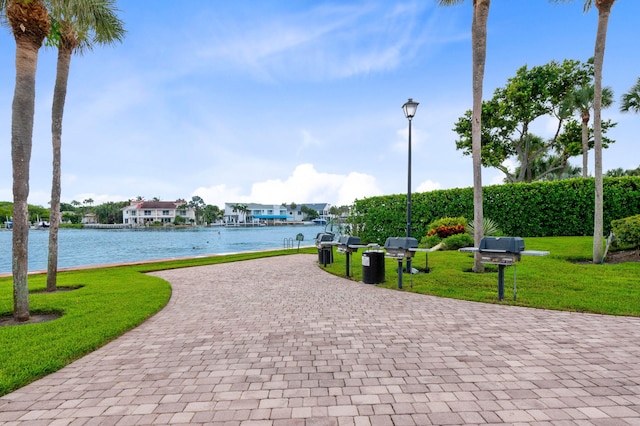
(22, 112)
(604, 9)
(479, 42)
(57, 111)
(585, 144)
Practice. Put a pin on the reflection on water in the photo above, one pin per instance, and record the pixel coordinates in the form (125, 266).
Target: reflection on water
(83, 247)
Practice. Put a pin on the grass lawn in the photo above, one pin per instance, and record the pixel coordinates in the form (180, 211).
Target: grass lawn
(564, 280)
(110, 301)
(96, 306)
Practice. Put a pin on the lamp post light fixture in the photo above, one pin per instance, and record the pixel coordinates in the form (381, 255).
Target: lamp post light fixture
(409, 109)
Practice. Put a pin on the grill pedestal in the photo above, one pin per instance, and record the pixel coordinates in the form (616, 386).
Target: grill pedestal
(348, 244)
(401, 248)
(503, 251)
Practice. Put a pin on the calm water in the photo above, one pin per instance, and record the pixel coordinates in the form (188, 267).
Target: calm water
(83, 247)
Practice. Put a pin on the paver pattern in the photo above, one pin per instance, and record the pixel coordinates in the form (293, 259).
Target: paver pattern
(278, 341)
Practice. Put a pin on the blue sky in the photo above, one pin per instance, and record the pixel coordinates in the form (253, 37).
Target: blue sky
(296, 101)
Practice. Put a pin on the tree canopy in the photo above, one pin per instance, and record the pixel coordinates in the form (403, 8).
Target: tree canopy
(535, 93)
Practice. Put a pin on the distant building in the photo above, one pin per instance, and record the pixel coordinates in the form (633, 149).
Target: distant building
(148, 212)
(89, 218)
(271, 214)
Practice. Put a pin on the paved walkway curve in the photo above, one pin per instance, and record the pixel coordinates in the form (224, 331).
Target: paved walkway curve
(278, 341)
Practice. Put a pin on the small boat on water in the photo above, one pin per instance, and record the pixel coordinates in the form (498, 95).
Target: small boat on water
(320, 221)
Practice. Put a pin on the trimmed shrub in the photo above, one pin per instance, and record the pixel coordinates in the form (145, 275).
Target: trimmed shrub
(627, 231)
(457, 241)
(430, 241)
(539, 209)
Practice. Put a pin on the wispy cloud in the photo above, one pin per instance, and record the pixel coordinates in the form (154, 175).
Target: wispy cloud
(326, 42)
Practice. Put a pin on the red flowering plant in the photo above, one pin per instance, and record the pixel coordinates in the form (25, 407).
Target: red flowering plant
(443, 228)
(444, 231)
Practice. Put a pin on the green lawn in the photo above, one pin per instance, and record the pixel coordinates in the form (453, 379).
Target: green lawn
(564, 280)
(113, 300)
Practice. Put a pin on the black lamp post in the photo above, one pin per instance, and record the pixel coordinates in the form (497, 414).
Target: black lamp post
(409, 109)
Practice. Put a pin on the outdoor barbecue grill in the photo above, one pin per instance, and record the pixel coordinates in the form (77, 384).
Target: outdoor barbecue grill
(348, 244)
(401, 248)
(503, 251)
(324, 243)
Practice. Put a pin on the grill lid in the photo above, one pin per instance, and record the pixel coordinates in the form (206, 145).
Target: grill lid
(349, 240)
(401, 243)
(502, 244)
(324, 236)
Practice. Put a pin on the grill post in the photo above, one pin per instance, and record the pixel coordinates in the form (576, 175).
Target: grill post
(348, 253)
(500, 282)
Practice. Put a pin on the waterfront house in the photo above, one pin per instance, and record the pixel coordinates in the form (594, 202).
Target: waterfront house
(148, 212)
(89, 218)
(270, 214)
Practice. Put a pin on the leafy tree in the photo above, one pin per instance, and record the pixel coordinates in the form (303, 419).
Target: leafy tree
(581, 101)
(198, 205)
(37, 213)
(109, 212)
(29, 21)
(619, 172)
(212, 214)
(70, 217)
(507, 118)
(67, 207)
(631, 100)
(309, 213)
(77, 25)
(479, 53)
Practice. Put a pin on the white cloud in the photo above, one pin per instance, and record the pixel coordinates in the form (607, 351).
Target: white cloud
(217, 195)
(308, 141)
(428, 185)
(304, 185)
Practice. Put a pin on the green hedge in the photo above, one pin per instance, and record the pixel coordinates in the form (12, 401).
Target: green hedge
(539, 209)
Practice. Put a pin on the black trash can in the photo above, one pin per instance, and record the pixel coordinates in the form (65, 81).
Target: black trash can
(325, 255)
(373, 266)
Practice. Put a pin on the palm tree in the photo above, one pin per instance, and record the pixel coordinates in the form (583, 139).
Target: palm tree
(604, 10)
(29, 22)
(631, 99)
(77, 26)
(581, 100)
(479, 49)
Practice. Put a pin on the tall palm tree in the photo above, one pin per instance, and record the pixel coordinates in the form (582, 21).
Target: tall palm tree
(77, 26)
(479, 49)
(581, 100)
(604, 10)
(631, 99)
(29, 22)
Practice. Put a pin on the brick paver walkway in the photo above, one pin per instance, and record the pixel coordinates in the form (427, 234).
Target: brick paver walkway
(280, 342)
